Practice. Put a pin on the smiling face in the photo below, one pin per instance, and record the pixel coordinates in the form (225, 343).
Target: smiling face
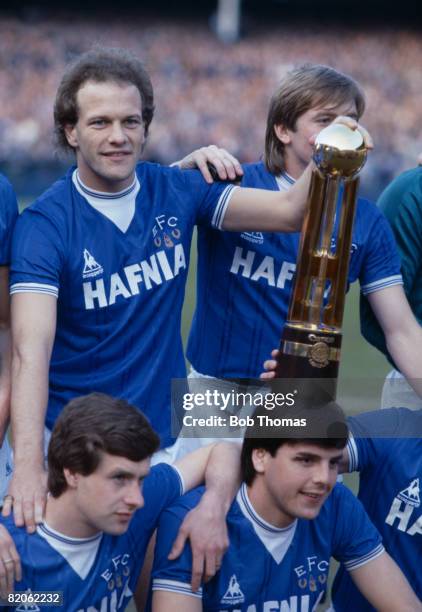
(109, 134)
(298, 150)
(294, 483)
(106, 499)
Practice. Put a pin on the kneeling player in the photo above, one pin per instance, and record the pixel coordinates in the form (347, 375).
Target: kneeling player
(284, 526)
(104, 504)
(386, 448)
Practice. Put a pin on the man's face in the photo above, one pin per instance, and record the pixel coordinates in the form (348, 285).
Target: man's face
(298, 150)
(297, 480)
(109, 134)
(107, 498)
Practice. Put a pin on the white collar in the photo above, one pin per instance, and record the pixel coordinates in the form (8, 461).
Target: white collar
(275, 539)
(80, 553)
(86, 191)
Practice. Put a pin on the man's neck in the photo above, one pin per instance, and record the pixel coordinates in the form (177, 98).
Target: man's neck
(266, 507)
(62, 515)
(294, 168)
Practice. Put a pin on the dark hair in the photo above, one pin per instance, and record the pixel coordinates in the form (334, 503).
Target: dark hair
(326, 427)
(305, 87)
(90, 426)
(100, 65)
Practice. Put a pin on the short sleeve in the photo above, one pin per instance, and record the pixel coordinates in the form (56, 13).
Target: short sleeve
(381, 269)
(8, 216)
(161, 488)
(38, 254)
(369, 436)
(212, 200)
(382, 266)
(174, 576)
(356, 541)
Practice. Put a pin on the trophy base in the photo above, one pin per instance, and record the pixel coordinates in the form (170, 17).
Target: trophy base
(310, 353)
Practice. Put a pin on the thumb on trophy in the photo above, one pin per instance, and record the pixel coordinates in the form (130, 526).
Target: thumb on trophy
(350, 123)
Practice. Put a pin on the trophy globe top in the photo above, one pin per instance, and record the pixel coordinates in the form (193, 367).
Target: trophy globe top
(339, 151)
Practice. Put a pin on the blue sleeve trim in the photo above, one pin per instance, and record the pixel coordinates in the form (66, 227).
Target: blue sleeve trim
(355, 563)
(352, 451)
(220, 209)
(382, 283)
(173, 586)
(34, 288)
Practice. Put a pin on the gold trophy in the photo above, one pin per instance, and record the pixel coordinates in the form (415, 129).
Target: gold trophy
(311, 338)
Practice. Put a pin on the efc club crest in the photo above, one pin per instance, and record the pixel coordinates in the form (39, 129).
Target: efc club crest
(165, 231)
(312, 573)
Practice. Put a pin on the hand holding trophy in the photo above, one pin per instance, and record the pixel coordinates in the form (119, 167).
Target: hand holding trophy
(311, 338)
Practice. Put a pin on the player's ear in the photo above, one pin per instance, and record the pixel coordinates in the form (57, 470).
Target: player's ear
(259, 460)
(70, 133)
(282, 133)
(72, 478)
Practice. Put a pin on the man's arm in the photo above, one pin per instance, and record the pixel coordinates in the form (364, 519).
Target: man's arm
(403, 334)
(33, 330)
(252, 209)
(4, 351)
(217, 464)
(268, 211)
(385, 587)
(220, 463)
(163, 602)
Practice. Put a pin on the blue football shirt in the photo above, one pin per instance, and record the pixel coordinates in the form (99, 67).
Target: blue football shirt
(97, 573)
(386, 448)
(245, 281)
(8, 216)
(119, 294)
(266, 568)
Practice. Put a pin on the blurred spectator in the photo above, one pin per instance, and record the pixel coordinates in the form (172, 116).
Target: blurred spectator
(207, 92)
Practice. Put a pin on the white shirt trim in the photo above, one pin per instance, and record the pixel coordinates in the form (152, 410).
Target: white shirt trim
(382, 283)
(80, 553)
(118, 207)
(34, 288)
(221, 208)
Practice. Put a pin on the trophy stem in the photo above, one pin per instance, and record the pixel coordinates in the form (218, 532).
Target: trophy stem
(318, 286)
(311, 338)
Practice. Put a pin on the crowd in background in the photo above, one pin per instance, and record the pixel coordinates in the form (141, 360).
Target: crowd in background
(208, 92)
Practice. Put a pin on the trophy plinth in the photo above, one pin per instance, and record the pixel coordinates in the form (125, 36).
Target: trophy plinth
(311, 338)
